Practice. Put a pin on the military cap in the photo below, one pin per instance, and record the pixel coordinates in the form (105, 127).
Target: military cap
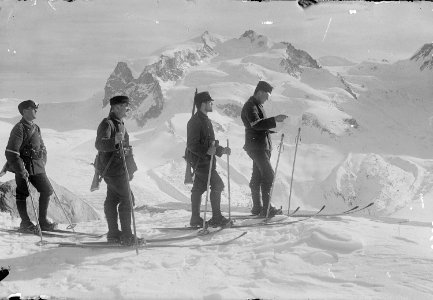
(202, 97)
(27, 104)
(119, 100)
(264, 86)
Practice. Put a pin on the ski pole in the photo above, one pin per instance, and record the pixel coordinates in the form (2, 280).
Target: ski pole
(71, 225)
(129, 195)
(228, 179)
(298, 138)
(41, 242)
(275, 176)
(204, 230)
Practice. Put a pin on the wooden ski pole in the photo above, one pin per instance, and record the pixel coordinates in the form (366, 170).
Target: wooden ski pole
(71, 225)
(228, 180)
(129, 195)
(298, 138)
(41, 242)
(204, 230)
(275, 176)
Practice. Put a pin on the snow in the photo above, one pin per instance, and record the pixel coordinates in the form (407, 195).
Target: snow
(382, 253)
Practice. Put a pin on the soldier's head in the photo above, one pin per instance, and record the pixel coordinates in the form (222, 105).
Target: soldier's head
(28, 109)
(203, 102)
(119, 106)
(263, 91)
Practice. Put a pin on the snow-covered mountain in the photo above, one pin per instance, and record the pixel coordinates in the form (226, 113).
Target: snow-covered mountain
(424, 57)
(366, 135)
(173, 64)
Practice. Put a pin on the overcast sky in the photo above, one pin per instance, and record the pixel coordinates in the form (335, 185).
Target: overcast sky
(61, 51)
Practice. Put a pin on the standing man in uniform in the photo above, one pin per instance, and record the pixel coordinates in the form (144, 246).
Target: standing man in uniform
(26, 157)
(258, 146)
(201, 144)
(111, 132)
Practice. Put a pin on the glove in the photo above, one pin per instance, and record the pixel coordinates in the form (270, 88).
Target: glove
(227, 151)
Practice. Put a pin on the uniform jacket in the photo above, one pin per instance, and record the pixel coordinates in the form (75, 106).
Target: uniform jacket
(200, 136)
(30, 155)
(257, 125)
(105, 144)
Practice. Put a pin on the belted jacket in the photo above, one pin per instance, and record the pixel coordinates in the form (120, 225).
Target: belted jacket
(257, 125)
(109, 151)
(25, 149)
(200, 135)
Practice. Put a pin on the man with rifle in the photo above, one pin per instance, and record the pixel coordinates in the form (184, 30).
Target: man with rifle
(258, 146)
(111, 138)
(26, 157)
(201, 145)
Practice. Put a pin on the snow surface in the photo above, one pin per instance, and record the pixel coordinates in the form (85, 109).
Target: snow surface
(382, 253)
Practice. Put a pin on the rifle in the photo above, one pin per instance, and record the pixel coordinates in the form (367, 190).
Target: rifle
(4, 169)
(188, 173)
(97, 177)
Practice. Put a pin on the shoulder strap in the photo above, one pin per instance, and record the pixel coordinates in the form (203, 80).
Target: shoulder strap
(27, 139)
(112, 155)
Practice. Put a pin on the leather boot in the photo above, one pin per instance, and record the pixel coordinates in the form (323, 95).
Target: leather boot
(215, 201)
(257, 205)
(196, 220)
(110, 210)
(44, 200)
(22, 210)
(125, 221)
(266, 195)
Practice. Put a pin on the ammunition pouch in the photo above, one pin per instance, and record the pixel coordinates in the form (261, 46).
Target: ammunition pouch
(30, 153)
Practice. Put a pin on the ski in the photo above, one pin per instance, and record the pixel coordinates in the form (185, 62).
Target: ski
(57, 233)
(278, 223)
(149, 245)
(85, 234)
(346, 212)
(244, 217)
(187, 228)
(158, 240)
(44, 233)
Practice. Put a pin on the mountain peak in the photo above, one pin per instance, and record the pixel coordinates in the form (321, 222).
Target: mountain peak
(255, 38)
(424, 56)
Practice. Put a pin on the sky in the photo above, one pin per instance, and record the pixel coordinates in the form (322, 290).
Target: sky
(56, 51)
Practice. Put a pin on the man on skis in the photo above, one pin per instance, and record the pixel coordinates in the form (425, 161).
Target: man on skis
(201, 145)
(26, 157)
(258, 146)
(111, 132)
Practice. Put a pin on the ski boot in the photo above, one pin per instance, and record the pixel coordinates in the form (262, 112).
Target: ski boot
(114, 238)
(272, 212)
(129, 241)
(256, 210)
(28, 227)
(197, 222)
(219, 221)
(47, 225)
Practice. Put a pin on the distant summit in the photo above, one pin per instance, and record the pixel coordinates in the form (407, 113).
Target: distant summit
(147, 99)
(424, 57)
(296, 59)
(171, 64)
(255, 38)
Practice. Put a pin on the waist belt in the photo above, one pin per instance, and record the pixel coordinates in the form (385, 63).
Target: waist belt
(126, 150)
(33, 154)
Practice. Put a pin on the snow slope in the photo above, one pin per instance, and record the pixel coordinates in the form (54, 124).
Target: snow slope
(353, 150)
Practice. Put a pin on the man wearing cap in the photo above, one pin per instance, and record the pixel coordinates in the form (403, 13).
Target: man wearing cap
(201, 145)
(258, 146)
(111, 132)
(26, 157)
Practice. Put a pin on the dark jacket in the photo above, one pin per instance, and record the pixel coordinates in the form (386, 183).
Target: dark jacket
(200, 136)
(22, 151)
(105, 144)
(257, 133)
